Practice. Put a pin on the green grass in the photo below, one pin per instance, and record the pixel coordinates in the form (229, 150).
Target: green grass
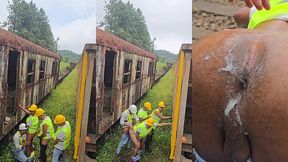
(162, 91)
(60, 101)
(63, 65)
(160, 66)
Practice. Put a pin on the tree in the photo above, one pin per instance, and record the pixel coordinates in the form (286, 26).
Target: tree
(128, 23)
(31, 23)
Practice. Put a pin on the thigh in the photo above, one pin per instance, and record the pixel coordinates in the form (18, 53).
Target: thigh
(56, 155)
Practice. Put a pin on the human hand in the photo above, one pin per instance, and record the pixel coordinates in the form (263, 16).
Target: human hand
(259, 4)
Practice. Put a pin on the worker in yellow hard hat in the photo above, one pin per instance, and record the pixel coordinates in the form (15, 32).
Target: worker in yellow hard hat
(157, 116)
(32, 123)
(45, 132)
(139, 133)
(143, 112)
(62, 138)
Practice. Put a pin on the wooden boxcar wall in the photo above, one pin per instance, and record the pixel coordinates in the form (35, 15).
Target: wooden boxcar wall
(123, 95)
(25, 94)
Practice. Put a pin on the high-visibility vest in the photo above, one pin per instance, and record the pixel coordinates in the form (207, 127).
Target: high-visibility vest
(50, 129)
(278, 8)
(32, 128)
(143, 129)
(63, 144)
(142, 114)
(131, 118)
(155, 117)
(21, 138)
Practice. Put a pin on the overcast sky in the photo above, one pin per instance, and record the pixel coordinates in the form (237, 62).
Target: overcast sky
(170, 21)
(73, 21)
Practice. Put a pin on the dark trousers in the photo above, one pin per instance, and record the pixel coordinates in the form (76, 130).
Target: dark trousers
(43, 156)
(148, 141)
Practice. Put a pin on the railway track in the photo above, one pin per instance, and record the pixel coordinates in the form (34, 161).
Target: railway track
(212, 15)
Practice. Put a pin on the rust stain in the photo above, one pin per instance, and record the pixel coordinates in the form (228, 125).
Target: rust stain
(12, 40)
(115, 43)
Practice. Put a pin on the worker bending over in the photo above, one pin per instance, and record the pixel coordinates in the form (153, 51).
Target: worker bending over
(19, 140)
(139, 133)
(32, 123)
(157, 116)
(143, 112)
(127, 120)
(62, 138)
(45, 132)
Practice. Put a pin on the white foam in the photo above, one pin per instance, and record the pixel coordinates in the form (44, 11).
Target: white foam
(249, 160)
(206, 58)
(229, 62)
(231, 104)
(238, 117)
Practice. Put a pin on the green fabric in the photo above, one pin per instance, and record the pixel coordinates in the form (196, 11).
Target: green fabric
(155, 117)
(259, 16)
(67, 130)
(21, 138)
(142, 114)
(32, 128)
(142, 129)
(50, 130)
(131, 119)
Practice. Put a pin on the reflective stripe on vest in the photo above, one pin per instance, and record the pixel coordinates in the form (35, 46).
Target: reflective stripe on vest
(21, 138)
(33, 127)
(142, 114)
(131, 118)
(155, 117)
(50, 130)
(67, 131)
(278, 8)
(143, 130)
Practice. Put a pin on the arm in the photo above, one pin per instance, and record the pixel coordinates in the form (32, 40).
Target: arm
(161, 116)
(16, 142)
(56, 141)
(23, 109)
(241, 17)
(45, 128)
(163, 124)
(122, 120)
(259, 4)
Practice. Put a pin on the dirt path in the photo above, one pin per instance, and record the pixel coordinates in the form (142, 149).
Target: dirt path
(212, 16)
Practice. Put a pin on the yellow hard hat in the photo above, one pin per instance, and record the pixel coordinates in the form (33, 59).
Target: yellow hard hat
(148, 105)
(59, 119)
(39, 112)
(33, 107)
(150, 121)
(161, 104)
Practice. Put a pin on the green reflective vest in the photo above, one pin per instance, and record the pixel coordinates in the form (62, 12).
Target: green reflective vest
(131, 119)
(142, 114)
(63, 143)
(50, 129)
(278, 7)
(142, 130)
(21, 138)
(155, 117)
(33, 127)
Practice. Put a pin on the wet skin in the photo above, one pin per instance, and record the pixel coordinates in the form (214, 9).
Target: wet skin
(243, 73)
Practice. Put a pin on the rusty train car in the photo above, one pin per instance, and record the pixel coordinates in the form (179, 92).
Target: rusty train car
(181, 136)
(28, 72)
(113, 75)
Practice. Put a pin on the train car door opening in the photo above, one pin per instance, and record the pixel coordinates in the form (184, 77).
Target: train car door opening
(108, 82)
(12, 83)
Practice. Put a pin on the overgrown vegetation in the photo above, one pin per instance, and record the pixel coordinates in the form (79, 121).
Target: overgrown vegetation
(60, 101)
(30, 22)
(165, 56)
(69, 56)
(162, 91)
(128, 23)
